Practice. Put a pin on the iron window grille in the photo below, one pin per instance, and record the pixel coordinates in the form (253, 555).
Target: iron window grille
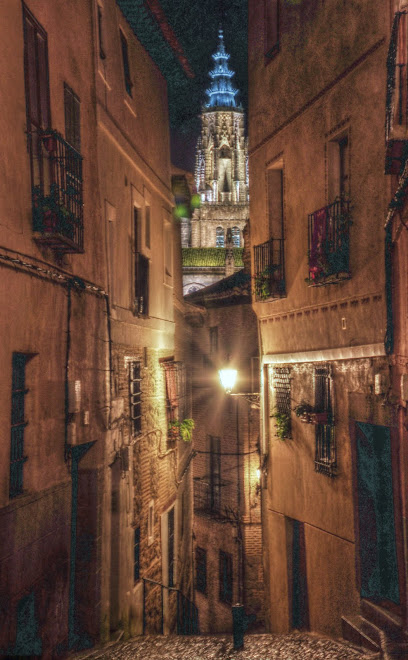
(236, 237)
(269, 269)
(282, 394)
(201, 570)
(325, 439)
(18, 424)
(176, 391)
(135, 404)
(225, 577)
(136, 554)
(329, 243)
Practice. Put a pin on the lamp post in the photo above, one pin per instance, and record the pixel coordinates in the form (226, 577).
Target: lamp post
(228, 378)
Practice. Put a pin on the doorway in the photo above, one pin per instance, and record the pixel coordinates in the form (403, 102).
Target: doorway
(376, 519)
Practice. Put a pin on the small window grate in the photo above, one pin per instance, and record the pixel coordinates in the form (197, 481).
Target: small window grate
(135, 403)
(282, 394)
(325, 448)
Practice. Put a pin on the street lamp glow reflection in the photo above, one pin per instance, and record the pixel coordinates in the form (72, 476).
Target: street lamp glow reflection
(228, 378)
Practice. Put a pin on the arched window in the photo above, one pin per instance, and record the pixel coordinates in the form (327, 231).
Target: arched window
(236, 237)
(219, 237)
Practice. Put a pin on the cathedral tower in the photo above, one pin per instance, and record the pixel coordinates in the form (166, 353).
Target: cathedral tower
(221, 175)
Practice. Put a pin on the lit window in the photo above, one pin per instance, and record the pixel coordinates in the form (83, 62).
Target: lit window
(236, 237)
(219, 237)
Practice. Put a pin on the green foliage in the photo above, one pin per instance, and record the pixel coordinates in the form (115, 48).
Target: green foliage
(303, 408)
(283, 425)
(182, 429)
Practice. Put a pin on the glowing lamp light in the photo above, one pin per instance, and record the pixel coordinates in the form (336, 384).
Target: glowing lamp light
(258, 474)
(228, 378)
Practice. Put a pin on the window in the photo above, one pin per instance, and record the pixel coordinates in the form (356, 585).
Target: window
(100, 34)
(141, 269)
(126, 68)
(219, 237)
(338, 167)
(135, 411)
(147, 226)
(279, 378)
(275, 199)
(136, 554)
(236, 237)
(215, 473)
(213, 340)
(72, 118)
(168, 250)
(176, 390)
(170, 547)
(150, 523)
(37, 91)
(225, 575)
(201, 569)
(325, 449)
(272, 27)
(18, 423)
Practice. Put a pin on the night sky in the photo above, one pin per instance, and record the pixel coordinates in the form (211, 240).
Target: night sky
(195, 24)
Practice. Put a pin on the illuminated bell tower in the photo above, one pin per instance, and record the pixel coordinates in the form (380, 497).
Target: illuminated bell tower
(221, 172)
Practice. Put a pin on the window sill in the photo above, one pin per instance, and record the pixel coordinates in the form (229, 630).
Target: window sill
(129, 107)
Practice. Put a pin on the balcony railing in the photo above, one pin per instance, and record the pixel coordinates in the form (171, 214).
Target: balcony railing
(141, 304)
(57, 193)
(329, 244)
(396, 113)
(269, 270)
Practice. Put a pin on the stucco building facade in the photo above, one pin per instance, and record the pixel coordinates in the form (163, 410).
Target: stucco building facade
(321, 267)
(95, 497)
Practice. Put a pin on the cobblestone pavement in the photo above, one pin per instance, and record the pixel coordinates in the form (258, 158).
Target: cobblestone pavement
(295, 646)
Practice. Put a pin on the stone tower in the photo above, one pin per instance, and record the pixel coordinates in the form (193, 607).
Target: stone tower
(221, 180)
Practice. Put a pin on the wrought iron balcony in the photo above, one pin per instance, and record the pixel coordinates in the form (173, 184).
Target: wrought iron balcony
(269, 270)
(396, 115)
(329, 244)
(57, 193)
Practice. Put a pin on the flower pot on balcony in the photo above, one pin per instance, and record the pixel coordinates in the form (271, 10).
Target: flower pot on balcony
(319, 418)
(50, 143)
(50, 221)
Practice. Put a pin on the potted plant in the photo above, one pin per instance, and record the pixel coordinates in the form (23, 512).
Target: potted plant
(183, 429)
(283, 426)
(304, 411)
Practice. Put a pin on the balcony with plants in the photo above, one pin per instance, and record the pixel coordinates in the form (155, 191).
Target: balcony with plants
(57, 196)
(269, 270)
(329, 244)
(396, 112)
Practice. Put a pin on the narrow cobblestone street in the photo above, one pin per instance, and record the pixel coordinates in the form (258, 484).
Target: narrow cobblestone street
(295, 646)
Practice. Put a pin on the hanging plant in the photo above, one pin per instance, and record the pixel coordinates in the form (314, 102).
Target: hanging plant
(283, 424)
(183, 430)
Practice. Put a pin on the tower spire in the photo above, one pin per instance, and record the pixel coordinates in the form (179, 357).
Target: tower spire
(221, 92)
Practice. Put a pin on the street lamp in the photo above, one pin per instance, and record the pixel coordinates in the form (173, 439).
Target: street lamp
(227, 380)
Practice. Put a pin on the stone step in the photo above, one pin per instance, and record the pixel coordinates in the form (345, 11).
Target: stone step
(384, 619)
(353, 631)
